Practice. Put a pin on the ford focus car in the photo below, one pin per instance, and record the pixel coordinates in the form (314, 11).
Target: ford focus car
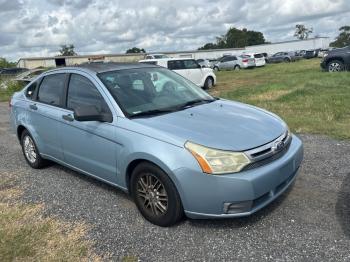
(150, 132)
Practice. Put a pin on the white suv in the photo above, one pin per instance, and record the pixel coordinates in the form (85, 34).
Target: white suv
(188, 68)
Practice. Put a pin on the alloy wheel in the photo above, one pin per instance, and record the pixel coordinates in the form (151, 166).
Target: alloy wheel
(334, 67)
(153, 194)
(29, 149)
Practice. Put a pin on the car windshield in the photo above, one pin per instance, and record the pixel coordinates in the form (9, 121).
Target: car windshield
(151, 91)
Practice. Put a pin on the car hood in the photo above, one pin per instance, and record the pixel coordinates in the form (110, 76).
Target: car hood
(221, 124)
(339, 50)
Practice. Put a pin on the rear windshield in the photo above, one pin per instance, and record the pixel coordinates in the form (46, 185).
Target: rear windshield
(258, 55)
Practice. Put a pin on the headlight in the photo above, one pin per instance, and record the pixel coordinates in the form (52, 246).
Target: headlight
(213, 161)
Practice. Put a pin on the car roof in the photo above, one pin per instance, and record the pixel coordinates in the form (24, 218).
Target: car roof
(104, 67)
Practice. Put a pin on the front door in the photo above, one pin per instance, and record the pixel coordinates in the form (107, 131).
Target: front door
(90, 145)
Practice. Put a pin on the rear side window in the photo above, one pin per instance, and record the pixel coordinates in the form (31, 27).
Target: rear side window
(82, 92)
(51, 89)
(176, 65)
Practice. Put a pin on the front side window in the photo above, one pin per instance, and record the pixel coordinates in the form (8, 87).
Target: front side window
(51, 89)
(82, 92)
(151, 90)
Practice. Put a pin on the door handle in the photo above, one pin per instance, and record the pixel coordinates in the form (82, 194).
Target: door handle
(68, 117)
(33, 106)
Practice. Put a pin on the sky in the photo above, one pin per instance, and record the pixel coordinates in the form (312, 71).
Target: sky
(30, 28)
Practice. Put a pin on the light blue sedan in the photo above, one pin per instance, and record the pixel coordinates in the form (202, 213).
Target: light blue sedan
(176, 149)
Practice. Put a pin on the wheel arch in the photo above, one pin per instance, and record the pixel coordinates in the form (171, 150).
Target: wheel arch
(19, 131)
(140, 158)
(338, 58)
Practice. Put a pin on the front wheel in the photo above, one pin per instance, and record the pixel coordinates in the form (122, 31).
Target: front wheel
(216, 68)
(209, 83)
(335, 66)
(155, 195)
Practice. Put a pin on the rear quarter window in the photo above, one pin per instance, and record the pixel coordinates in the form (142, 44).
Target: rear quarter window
(31, 89)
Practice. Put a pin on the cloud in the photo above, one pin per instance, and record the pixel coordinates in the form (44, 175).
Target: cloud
(39, 27)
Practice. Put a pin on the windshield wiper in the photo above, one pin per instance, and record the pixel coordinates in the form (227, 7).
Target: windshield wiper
(152, 112)
(196, 101)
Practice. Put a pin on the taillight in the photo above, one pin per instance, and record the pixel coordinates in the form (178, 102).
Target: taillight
(245, 60)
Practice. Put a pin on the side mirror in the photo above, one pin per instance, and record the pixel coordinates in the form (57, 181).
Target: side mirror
(90, 113)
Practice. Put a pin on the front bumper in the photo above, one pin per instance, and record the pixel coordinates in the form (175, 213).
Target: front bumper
(210, 196)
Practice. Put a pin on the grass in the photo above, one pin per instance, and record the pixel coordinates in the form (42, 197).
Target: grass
(12, 86)
(26, 235)
(309, 100)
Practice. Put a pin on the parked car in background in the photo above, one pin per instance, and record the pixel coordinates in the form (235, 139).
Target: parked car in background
(177, 151)
(310, 54)
(204, 63)
(258, 58)
(322, 52)
(234, 63)
(336, 60)
(12, 71)
(29, 75)
(156, 56)
(282, 57)
(188, 68)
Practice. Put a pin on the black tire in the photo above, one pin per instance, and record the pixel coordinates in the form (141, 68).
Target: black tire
(39, 162)
(237, 68)
(287, 60)
(335, 66)
(209, 83)
(215, 68)
(146, 203)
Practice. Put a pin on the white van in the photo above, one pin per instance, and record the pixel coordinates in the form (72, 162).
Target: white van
(188, 68)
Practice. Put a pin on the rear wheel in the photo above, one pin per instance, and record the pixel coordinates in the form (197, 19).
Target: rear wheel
(209, 83)
(287, 60)
(155, 195)
(30, 151)
(335, 66)
(237, 68)
(216, 68)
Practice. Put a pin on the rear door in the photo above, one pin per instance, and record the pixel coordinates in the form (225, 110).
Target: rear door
(179, 67)
(44, 114)
(90, 145)
(195, 73)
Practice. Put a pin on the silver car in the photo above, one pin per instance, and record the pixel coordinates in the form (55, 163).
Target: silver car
(234, 62)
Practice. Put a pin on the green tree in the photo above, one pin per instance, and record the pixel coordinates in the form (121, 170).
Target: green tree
(135, 50)
(236, 38)
(67, 50)
(344, 37)
(4, 63)
(302, 32)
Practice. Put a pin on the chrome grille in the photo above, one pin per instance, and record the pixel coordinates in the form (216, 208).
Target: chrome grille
(269, 152)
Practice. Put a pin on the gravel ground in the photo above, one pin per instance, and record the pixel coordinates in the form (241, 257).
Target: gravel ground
(310, 222)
